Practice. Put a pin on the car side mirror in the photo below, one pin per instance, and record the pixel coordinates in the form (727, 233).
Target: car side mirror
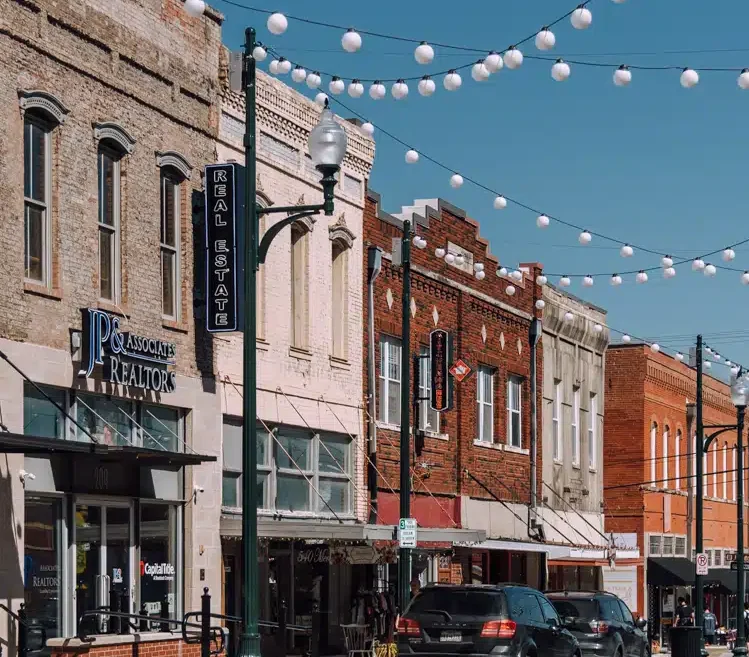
(641, 623)
(568, 621)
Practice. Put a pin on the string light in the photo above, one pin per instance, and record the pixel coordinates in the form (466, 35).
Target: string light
(564, 281)
(355, 89)
(641, 277)
(456, 181)
(585, 238)
(626, 251)
(195, 8)
(622, 76)
(321, 99)
(368, 128)
(728, 254)
(412, 156)
(581, 18)
(540, 304)
(337, 86)
(424, 53)
(588, 281)
(494, 63)
(298, 74)
(626, 338)
(545, 39)
(541, 280)
(510, 290)
(669, 272)
(667, 261)
(698, 264)
(655, 347)
(479, 72)
(500, 202)
(568, 316)
(513, 58)
(743, 79)
(426, 86)
(277, 23)
(689, 78)
(560, 71)
(351, 41)
(314, 80)
(745, 278)
(399, 90)
(377, 90)
(616, 280)
(258, 52)
(542, 221)
(710, 270)
(452, 81)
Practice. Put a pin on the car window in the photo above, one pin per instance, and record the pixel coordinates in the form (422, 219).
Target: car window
(524, 607)
(585, 609)
(458, 602)
(610, 610)
(550, 613)
(626, 613)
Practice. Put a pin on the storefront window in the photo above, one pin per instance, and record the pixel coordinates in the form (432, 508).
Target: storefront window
(231, 486)
(108, 420)
(161, 428)
(42, 571)
(40, 416)
(158, 558)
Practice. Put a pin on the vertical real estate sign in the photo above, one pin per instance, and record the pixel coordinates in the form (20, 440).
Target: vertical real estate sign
(439, 355)
(222, 263)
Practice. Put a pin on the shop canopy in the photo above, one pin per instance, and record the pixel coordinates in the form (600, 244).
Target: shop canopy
(670, 571)
(723, 579)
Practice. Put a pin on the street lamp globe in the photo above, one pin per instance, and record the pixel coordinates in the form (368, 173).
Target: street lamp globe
(738, 390)
(327, 142)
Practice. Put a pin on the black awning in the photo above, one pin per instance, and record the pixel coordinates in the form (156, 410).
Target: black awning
(13, 443)
(724, 580)
(670, 571)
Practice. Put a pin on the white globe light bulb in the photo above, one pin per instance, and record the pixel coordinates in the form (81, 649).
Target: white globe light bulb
(424, 53)
(426, 86)
(743, 80)
(626, 338)
(439, 252)
(510, 290)
(277, 23)
(679, 356)
(585, 238)
(452, 81)
(284, 66)
(616, 280)
(480, 275)
(545, 39)
(597, 328)
(479, 72)
(314, 80)
(541, 280)
(355, 89)
(500, 203)
(459, 259)
(321, 99)
(641, 277)
(273, 67)
(336, 86)
(588, 281)
(399, 90)
(517, 275)
(258, 53)
(456, 180)
(449, 258)
(513, 58)
(669, 272)
(478, 266)
(494, 62)
(581, 18)
(568, 316)
(377, 90)
(735, 371)
(351, 41)
(626, 251)
(698, 264)
(655, 347)
(195, 8)
(412, 156)
(622, 76)
(564, 281)
(560, 71)
(367, 128)
(708, 365)
(710, 270)
(299, 74)
(667, 261)
(729, 254)
(689, 78)
(745, 278)
(540, 304)
(502, 271)
(542, 221)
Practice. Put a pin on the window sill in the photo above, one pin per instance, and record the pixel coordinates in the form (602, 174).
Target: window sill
(436, 435)
(41, 290)
(517, 450)
(340, 363)
(261, 344)
(388, 427)
(174, 325)
(300, 354)
(593, 469)
(487, 445)
(111, 308)
(558, 462)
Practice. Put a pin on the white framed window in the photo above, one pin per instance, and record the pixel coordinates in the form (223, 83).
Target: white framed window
(653, 454)
(299, 287)
(654, 545)
(429, 419)
(37, 186)
(171, 214)
(390, 380)
(593, 432)
(556, 419)
(677, 464)
(575, 426)
(734, 469)
(715, 471)
(514, 412)
(705, 486)
(664, 456)
(485, 404)
(340, 299)
(109, 224)
(694, 463)
(668, 546)
(725, 471)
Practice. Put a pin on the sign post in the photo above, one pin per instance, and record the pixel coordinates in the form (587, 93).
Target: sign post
(701, 562)
(407, 533)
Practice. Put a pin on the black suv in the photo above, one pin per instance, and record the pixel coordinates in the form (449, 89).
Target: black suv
(602, 623)
(503, 620)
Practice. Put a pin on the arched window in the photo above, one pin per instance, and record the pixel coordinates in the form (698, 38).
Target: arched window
(115, 143)
(665, 456)
(725, 471)
(42, 114)
(341, 239)
(715, 471)
(734, 470)
(653, 453)
(677, 464)
(300, 284)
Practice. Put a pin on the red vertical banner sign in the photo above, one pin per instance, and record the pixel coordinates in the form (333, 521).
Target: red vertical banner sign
(439, 360)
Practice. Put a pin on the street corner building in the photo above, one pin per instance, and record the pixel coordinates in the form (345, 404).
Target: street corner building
(109, 417)
(507, 477)
(650, 483)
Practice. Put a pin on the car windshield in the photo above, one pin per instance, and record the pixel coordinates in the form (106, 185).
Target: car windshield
(576, 608)
(458, 602)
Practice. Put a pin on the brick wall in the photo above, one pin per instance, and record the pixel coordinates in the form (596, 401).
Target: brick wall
(488, 327)
(143, 645)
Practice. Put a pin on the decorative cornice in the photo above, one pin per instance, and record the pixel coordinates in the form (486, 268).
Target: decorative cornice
(116, 133)
(175, 161)
(340, 232)
(44, 101)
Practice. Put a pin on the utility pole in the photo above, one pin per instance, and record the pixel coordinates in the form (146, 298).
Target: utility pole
(404, 555)
(699, 450)
(740, 646)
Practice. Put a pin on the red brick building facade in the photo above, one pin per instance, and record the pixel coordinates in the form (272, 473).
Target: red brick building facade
(648, 480)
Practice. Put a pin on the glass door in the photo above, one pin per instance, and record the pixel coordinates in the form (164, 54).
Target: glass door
(103, 551)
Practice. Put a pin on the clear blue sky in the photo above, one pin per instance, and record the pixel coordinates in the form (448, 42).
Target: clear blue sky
(653, 163)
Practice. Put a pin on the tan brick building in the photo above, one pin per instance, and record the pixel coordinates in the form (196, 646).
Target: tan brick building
(649, 485)
(109, 112)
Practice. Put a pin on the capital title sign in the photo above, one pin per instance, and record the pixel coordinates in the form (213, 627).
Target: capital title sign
(127, 359)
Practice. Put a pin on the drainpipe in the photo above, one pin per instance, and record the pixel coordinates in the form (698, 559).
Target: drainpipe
(534, 336)
(374, 266)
